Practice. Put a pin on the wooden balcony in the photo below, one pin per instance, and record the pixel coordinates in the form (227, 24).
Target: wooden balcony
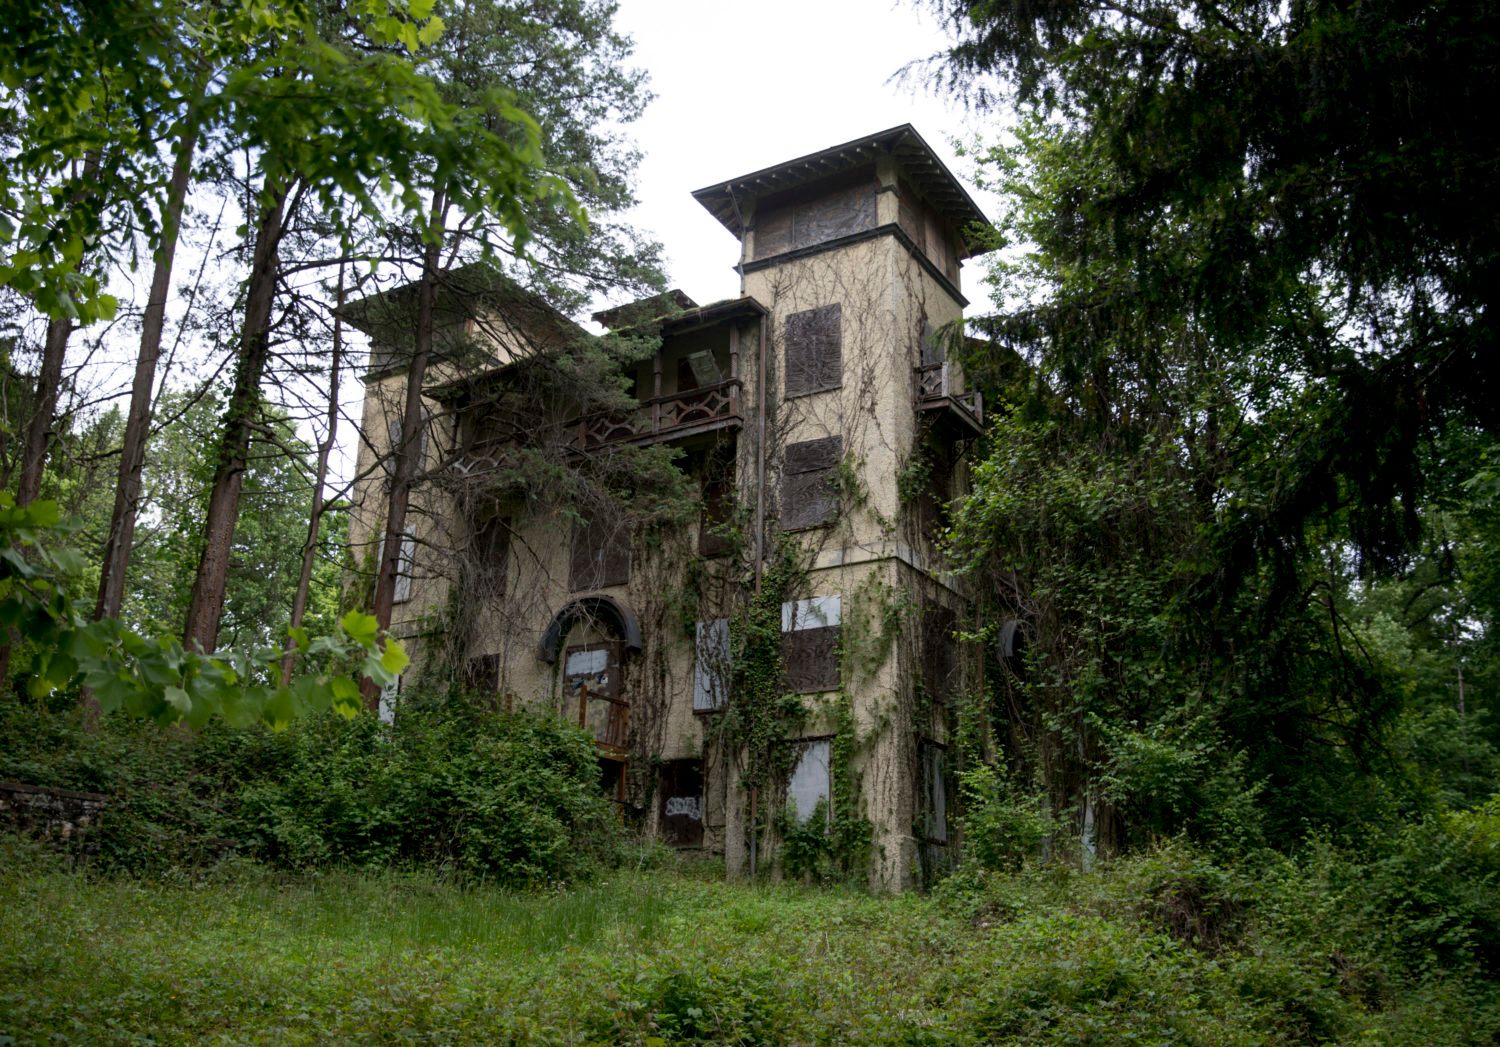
(936, 394)
(671, 417)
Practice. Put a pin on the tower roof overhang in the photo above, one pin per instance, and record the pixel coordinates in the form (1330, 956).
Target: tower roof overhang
(918, 163)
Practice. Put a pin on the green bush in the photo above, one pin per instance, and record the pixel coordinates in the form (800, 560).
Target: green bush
(1000, 828)
(512, 798)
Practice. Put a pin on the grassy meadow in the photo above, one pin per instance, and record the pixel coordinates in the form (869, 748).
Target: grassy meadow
(1158, 950)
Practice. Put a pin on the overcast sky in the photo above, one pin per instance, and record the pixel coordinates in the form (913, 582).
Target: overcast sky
(743, 86)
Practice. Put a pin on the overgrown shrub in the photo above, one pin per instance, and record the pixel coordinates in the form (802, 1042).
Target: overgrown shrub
(1001, 826)
(512, 798)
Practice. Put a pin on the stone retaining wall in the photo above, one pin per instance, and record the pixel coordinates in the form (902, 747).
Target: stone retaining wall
(63, 816)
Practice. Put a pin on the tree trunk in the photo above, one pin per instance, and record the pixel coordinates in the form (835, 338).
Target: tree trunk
(206, 604)
(315, 517)
(49, 381)
(39, 432)
(409, 449)
(138, 420)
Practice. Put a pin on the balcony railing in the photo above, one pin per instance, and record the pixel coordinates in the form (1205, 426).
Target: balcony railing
(936, 390)
(679, 414)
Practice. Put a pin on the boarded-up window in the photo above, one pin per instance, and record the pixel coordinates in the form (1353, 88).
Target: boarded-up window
(940, 664)
(681, 788)
(832, 215)
(405, 566)
(809, 496)
(908, 213)
(773, 231)
(814, 353)
(491, 554)
(810, 783)
(810, 644)
(828, 215)
(601, 555)
(711, 666)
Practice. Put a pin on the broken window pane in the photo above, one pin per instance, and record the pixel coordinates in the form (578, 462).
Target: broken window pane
(810, 783)
(810, 644)
(934, 792)
(592, 692)
(404, 568)
(812, 613)
(711, 667)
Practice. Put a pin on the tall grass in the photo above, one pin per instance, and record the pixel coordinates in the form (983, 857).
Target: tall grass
(1166, 948)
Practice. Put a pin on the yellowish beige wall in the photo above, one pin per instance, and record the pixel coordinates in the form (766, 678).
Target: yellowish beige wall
(866, 556)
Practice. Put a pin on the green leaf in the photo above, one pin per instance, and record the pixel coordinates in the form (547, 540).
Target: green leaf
(394, 658)
(362, 628)
(346, 697)
(429, 33)
(178, 699)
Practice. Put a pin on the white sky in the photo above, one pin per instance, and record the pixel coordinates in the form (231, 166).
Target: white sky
(744, 86)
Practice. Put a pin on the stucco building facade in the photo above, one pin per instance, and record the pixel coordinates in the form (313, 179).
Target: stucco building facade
(823, 429)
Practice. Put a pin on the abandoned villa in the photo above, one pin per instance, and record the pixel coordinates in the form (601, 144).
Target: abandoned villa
(822, 429)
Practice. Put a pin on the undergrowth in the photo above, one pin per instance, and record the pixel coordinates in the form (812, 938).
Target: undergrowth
(1165, 947)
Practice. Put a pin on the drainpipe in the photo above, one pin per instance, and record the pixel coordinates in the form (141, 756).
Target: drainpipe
(760, 453)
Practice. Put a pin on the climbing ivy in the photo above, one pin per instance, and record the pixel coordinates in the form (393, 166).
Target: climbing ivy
(761, 715)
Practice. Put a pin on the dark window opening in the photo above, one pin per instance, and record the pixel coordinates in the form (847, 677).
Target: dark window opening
(482, 674)
(491, 554)
(680, 787)
(718, 506)
(933, 807)
(940, 662)
(936, 494)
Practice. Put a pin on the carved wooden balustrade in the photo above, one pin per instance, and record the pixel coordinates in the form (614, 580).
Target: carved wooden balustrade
(678, 414)
(936, 390)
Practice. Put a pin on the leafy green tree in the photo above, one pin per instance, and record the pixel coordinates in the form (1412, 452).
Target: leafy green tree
(1255, 396)
(1333, 160)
